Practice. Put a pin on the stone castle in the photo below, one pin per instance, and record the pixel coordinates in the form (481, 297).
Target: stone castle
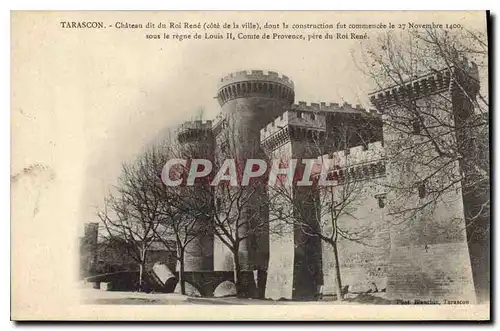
(408, 260)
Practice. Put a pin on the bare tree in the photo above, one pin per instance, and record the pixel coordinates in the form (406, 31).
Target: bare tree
(327, 209)
(130, 216)
(184, 209)
(145, 211)
(239, 217)
(438, 135)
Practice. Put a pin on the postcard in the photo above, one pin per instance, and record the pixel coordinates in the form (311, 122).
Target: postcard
(250, 165)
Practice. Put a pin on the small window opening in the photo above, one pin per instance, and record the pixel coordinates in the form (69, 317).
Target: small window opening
(422, 191)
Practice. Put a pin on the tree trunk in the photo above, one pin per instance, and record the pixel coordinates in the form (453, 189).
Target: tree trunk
(142, 267)
(181, 272)
(338, 281)
(237, 274)
(141, 271)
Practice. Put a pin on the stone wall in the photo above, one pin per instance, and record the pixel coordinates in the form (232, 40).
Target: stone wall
(429, 257)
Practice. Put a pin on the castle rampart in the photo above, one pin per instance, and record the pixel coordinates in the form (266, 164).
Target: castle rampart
(359, 163)
(359, 154)
(330, 107)
(194, 131)
(295, 125)
(463, 74)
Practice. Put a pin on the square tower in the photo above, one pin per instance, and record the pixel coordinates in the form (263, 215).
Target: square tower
(424, 134)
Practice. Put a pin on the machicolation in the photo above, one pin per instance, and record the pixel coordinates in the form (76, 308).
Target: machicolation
(255, 83)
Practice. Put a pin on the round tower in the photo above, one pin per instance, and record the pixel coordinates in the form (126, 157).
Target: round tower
(249, 101)
(196, 141)
(252, 99)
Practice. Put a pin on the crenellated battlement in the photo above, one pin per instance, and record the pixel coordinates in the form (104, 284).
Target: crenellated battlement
(255, 83)
(359, 154)
(294, 125)
(464, 74)
(255, 75)
(196, 125)
(330, 107)
(194, 130)
(303, 106)
(359, 163)
(297, 118)
(469, 67)
(91, 228)
(218, 123)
